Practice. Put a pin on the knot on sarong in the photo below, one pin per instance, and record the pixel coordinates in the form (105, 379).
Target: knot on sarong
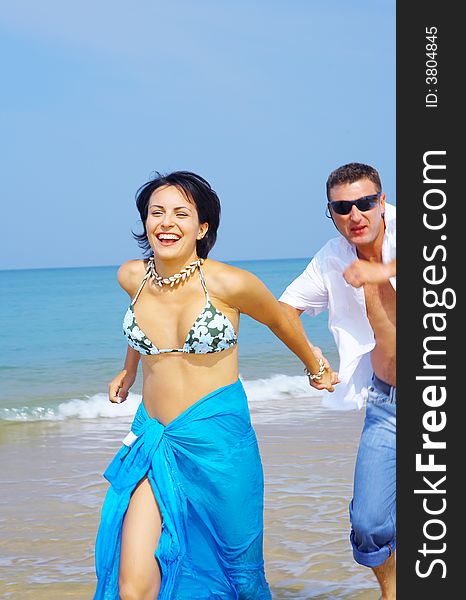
(132, 462)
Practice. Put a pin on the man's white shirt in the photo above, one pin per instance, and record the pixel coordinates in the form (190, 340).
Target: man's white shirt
(322, 287)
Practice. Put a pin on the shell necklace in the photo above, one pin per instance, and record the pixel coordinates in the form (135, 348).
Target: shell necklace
(173, 280)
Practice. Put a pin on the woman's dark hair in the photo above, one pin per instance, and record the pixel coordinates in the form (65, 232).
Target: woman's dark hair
(198, 191)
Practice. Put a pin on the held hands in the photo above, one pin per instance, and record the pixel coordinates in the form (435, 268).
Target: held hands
(118, 388)
(329, 378)
(363, 271)
(327, 381)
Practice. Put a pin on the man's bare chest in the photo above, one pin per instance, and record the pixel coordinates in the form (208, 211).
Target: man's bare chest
(380, 304)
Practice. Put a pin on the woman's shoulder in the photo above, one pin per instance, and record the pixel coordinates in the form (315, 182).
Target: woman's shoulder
(226, 278)
(130, 275)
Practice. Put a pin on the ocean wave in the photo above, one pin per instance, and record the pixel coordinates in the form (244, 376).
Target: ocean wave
(272, 390)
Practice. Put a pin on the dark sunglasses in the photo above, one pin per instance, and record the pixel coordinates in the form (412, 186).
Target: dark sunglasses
(343, 207)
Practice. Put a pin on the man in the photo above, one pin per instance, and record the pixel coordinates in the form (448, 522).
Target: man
(353, 277)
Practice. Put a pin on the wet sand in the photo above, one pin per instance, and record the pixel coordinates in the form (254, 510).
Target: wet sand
(52, 491)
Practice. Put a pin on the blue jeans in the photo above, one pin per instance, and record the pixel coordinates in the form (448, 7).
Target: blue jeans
(373, 507)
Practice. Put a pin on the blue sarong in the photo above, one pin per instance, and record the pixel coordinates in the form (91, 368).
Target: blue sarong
(206, 474)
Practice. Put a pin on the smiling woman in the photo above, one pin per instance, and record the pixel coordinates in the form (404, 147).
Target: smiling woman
(173, 210)
(183, 516)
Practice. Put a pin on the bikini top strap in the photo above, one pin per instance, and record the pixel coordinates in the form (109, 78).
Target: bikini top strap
(143, 282)
(201, 277)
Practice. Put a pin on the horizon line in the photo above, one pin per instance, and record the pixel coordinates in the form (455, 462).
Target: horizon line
(243, 260)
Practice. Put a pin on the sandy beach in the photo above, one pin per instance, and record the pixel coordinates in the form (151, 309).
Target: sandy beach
(53, 489)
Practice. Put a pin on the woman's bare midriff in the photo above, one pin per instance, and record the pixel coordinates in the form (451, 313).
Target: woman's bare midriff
(174, 382)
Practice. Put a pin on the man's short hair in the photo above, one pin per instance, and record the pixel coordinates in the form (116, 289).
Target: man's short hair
(353, 172)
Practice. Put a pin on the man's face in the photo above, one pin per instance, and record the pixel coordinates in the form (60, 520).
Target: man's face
(361, 228)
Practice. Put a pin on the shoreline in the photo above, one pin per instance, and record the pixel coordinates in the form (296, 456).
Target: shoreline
(53, 492)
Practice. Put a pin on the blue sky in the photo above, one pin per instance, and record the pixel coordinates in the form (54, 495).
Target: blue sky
(262, 98)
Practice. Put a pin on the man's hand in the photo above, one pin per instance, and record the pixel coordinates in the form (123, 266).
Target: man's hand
(362, 271)
(118, 388)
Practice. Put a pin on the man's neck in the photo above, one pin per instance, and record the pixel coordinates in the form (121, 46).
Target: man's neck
(370, 253)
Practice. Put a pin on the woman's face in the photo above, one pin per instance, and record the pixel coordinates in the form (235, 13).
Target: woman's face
(172, 224)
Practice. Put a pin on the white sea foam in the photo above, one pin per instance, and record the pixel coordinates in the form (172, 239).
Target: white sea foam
(279, 387)
(274, 391)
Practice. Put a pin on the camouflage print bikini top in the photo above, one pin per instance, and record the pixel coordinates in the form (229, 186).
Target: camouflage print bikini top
(212, 331)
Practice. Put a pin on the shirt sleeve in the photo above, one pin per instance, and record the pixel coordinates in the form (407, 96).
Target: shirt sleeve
(307, 292)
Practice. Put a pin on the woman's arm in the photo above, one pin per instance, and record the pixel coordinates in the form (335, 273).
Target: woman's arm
(250, 296)
(118, 388)
(293, 315)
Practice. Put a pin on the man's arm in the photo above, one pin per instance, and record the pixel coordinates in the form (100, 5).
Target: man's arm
(363, 271)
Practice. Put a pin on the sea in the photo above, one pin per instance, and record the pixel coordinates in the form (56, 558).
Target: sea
(61, 342)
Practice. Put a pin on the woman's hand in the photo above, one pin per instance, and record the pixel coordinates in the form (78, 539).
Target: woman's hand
(118, 388)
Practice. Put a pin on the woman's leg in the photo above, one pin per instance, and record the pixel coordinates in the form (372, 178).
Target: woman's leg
(139, 571)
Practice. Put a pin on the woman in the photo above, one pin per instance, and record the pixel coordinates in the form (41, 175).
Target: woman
(183, 517)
